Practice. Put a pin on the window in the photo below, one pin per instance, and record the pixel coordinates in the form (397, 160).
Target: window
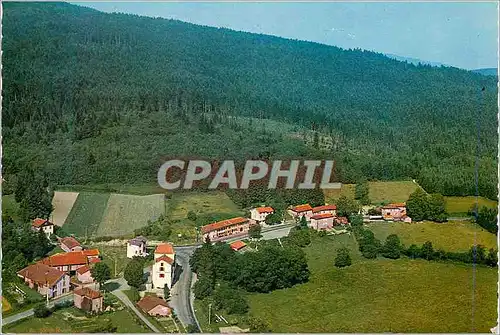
(161, 264)
(162, 275)
(162, 268)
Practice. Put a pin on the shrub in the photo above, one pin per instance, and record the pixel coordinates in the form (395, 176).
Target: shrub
(41, 311)
(342, 259)
(134, 294)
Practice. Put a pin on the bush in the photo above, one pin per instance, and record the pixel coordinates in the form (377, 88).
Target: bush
(231, 300)
(192, 329)
(342, 259)
(63, 304)
(41, 311)
(134, 294)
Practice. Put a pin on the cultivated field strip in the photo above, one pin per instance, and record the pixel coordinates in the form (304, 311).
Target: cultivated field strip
(63, 203)
(86, 214)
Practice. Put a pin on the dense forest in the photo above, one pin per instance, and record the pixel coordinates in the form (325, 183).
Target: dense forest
(93, 98)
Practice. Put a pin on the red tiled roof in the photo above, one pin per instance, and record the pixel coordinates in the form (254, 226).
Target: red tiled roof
(83, 269)
(68, 258)
(237, 245)
(222, 224)
(149, 302)
(41, 274)
(88, 292)
(94, 260)
(165, 259)
(164, 248)
(341, 220)
(91, 252)
(302, 208)
(324, 208)
(40, 222)
(265, 209)
(70, 242)
(322, 216)
(395, 205)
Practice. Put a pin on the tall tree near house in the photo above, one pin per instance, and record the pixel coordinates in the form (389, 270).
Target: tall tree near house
(166, 292)
(303, 222)
(134, 274)
(255, 231)
(437, 208)
(417, 205)
(392, 247)
(346, 206)
(361, 192)
(101, 273)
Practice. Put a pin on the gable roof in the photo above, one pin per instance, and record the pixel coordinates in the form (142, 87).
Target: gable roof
(301, 208)
(138, 241)
(165, 259)
(394, 205)
(164, 248)
(237, 245)
(83, 269)
(70, 242)
(41, 274)
(67, 258)
(94, 260)
(41, 222)
(324, 208)
(341, 220)
(91, 252)
(322, 216)
(149, 302)
(222, 224)
(265, 210)
(88, 292)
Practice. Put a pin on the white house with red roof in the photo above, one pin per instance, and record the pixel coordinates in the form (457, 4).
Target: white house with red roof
(322, 221)
(69, 244)
(136, 247)
(164, 266)
(45, 279)
(297, 212)
(42, 224)
(73, 260)
(259, 214)
(225, 229)
(395, 212)
(325, 209)
(84, 275)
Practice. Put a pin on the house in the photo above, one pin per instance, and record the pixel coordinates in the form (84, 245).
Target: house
(326, 209)
(88, 299)
(69, 244)
(84, 275)
(394, 212)
(91, 254)
(322, 221)
(154, 306)
(45, 279)
(221, 230)
(259, 214)
(238, 245)
(299, 211)
(136, 247)
(164, 266)
(67, 262)
(42, 224)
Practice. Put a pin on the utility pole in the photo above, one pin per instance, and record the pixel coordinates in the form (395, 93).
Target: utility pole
(209, 310)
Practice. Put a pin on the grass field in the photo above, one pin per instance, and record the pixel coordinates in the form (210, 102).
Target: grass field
(125, 213)
(62, 202)
(200, 203)
(449, 236)
(10, 207)
(380, 296)
(5, 305)
(138, 189)
(380, 191)
(72, 320)
(115, 257)
(461, 205)
(86, 214)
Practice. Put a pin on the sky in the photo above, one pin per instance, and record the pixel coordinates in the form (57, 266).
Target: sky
(461, 34)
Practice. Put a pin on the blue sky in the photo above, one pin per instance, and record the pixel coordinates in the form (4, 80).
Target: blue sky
(459, 34)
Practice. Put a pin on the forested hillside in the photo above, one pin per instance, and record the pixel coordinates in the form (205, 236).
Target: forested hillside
(91, 97)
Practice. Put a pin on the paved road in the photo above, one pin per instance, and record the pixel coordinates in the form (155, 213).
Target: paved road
(30, 312)
(182, 296)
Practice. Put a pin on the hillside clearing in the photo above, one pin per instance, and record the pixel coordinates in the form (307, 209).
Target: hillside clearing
(380, 295)
(461, 205)
(449, 236)
(200, 203)
(379, 191)
(125, 213)
(86, 215)
(10, 207)
(62, 202)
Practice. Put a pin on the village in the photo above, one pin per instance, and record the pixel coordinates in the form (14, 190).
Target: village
(68, 275)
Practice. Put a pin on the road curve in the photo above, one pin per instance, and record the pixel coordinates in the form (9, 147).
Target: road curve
(123, 297)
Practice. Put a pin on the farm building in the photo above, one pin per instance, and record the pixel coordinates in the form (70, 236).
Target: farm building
(259, 214)
(42, 224)
(340, 221)
(69, 244)
(395, 212)
(325, 209)
(154, 306)
(164, 266)
(45, 279)
(88, 300)
(322, 221)
(67, 262)
(297, 212)
(221, 230)
(136, 247)
(237, 245)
